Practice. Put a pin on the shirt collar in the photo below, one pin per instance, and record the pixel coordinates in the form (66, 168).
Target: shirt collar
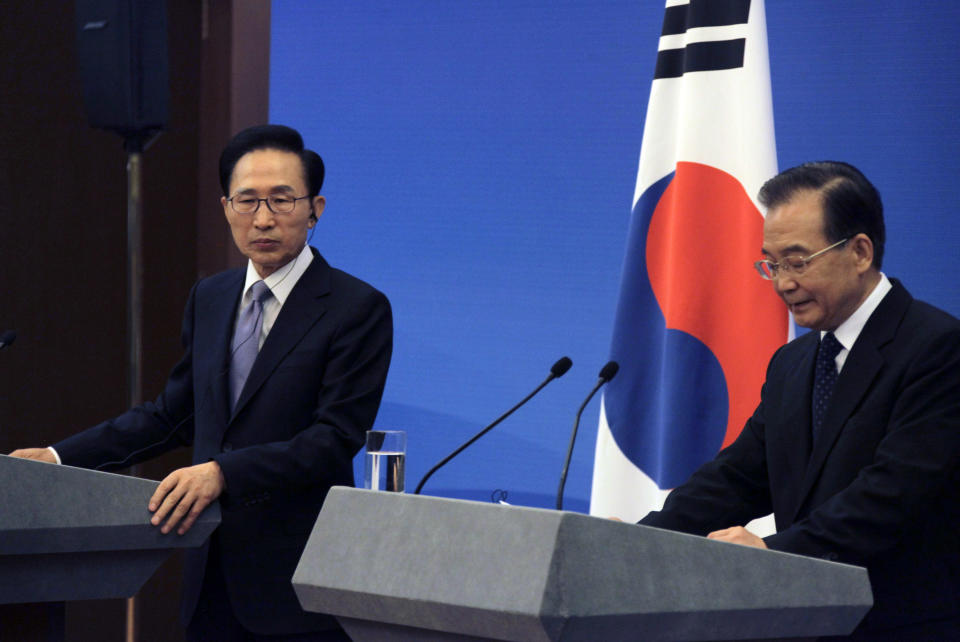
(848, 331)
(282, 280)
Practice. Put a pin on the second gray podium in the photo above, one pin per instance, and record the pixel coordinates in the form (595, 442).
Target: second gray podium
(406, 567)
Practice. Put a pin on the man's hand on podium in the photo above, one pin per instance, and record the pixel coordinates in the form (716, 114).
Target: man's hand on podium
(738, 535)
(184, 493)
(40, 454)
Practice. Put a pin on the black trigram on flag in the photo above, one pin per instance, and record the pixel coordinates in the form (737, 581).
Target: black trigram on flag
(711, 55)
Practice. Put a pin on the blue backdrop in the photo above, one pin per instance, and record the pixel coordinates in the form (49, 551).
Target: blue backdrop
(481, 160)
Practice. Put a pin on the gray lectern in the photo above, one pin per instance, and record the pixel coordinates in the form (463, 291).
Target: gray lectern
(73, 534)
(406, 567)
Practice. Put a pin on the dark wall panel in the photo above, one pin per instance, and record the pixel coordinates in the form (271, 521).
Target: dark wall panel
(63, 261)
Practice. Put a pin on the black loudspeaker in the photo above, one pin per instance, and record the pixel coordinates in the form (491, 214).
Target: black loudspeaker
(122, 51)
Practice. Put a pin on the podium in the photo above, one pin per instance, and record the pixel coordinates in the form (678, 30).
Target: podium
(73, 534)
(392, 566)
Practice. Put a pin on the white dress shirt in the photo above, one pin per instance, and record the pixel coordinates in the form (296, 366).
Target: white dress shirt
(281, 283)
(848, 331)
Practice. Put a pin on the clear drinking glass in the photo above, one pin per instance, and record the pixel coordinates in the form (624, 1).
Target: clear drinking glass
(385, 460)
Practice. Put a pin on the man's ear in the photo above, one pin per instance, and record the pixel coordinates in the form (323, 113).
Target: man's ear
(862, 248)
(317, 204)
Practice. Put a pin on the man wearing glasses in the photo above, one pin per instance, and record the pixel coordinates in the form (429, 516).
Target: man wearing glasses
(855, 445)
(284, 366)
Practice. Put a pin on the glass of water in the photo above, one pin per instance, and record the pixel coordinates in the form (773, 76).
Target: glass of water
(385, 459)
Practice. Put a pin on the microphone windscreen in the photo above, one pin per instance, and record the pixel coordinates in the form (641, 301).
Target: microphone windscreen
(561, 366)
(9, 336)
(609, 371)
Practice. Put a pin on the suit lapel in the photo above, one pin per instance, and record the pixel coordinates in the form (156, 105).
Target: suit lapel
(300, 312)
(793, 442)
(797, 410)
(862, 366)
(215, 319)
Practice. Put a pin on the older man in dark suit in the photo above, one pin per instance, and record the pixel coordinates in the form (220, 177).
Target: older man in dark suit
(284, 367)
(855, 446)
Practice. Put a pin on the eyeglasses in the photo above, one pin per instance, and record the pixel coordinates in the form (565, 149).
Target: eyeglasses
(795, 265)
(276, 203)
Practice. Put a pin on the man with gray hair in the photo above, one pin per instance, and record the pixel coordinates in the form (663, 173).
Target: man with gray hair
(855, 445)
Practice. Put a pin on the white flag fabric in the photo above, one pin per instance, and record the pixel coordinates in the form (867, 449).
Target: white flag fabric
(695, 324)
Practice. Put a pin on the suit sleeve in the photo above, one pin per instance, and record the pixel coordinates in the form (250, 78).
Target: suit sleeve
(914, 467)
(145, 431)
(345, 406)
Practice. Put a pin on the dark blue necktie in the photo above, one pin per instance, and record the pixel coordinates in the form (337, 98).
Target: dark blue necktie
(246, 339)
(824, 379)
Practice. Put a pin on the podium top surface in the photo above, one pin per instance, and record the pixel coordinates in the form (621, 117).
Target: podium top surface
(511, 572)
(51, 508)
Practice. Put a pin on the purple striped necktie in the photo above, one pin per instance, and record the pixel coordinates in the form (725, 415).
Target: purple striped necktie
(246, 340)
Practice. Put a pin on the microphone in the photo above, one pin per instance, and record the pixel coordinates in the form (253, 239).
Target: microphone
(557, 370)
(607, 372)
(7, 338)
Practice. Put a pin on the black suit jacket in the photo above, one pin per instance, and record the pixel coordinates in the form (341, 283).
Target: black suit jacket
(881, 486)
(312, 393)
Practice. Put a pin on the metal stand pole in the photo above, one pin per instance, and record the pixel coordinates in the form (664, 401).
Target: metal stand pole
(134, 279)
(134, 314)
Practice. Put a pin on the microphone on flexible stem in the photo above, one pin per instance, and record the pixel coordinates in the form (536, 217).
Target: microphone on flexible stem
(557, 370)
(7, 338)
(607, 372)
